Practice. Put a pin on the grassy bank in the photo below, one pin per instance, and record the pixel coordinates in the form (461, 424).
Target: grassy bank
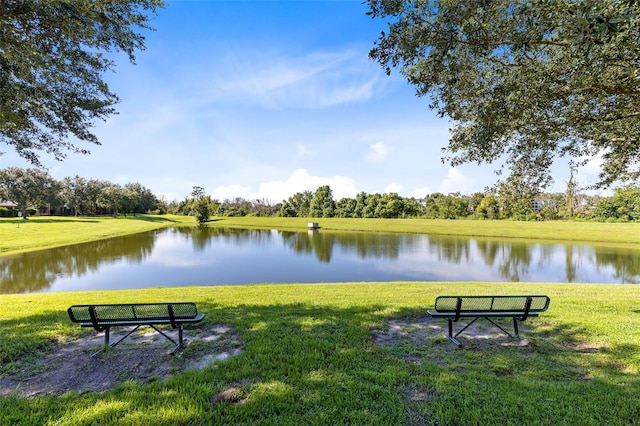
(309, 357)
(627, 233)
(18, 235)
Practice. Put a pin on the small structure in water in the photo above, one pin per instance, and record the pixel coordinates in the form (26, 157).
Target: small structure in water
(313, 225)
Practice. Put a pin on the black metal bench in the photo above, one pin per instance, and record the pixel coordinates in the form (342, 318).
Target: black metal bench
(103, 317)
(517, 307)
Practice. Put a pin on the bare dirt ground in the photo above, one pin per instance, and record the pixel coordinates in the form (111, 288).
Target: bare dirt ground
(418, 331)
(141, 357)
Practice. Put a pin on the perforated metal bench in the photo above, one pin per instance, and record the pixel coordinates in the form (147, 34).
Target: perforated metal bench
(517, 307)
(103, 317)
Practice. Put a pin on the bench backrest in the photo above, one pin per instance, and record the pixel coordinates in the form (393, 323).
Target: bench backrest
(133, 312)
(491, 303)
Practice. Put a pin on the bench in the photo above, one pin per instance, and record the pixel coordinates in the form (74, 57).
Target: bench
(103, 317)
(519, 308)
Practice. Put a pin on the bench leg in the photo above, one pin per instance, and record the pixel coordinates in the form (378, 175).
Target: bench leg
(106, 341)
(180, 340)
(113, 345)
(453, 339)
(451, 336)
(503, 330)
(179, 344)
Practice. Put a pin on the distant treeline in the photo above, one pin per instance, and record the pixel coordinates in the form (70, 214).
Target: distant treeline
(623, 206)
(33, 191)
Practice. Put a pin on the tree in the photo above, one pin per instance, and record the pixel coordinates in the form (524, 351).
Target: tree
(361, 203)
(525, 80)
(322, 203)
(390, 205)
(488, 207)
(345, 207)
(115, 198)
(371, 205)
(74, 192)
(51, 65)
(27, 188)
(297, 205)
(515, 197)
(624, 205)
(142, 199)
(200, 205)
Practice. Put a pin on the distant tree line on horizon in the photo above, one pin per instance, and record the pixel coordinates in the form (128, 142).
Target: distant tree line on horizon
(503, 203)
(33, 191)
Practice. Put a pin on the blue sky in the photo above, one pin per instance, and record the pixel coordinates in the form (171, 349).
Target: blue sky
(263, 99)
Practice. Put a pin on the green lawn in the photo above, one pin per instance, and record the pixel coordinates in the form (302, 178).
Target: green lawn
(309, 357)
(40, 232)
(551, 230)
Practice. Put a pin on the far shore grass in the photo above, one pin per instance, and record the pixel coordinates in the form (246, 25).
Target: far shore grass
(309, 356)
(41, 232)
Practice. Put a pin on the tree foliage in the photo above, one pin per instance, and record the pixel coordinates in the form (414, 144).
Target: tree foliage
(52, 61)
(322, 204)
(526, 80)
(25, 187)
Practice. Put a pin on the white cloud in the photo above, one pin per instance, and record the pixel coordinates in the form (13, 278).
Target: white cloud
(232, 191)
(277, 191)
(392, 187)
(455, 182)
(420, 192)
(377, 151)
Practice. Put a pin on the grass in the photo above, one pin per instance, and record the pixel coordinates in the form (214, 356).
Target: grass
(309, 358)
(309, 355)
(552, 230)
(40, 232)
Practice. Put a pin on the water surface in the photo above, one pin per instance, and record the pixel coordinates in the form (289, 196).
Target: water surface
(214, 256)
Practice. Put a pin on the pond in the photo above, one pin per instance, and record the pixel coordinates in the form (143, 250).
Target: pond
(218, 256)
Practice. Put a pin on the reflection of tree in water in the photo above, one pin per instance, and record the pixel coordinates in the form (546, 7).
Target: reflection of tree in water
(203, 236)
(316, 242)
(378, 246)
(513, 257)
(36, 271)
(451, 249)
(625, 263)
(573, 262)
(365, 245)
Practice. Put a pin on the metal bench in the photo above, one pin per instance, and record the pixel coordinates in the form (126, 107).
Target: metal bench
(103, 317)
(517, 307)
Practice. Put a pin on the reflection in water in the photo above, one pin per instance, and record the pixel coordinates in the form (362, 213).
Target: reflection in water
(625, 263)
(38, 270)
(212, 256)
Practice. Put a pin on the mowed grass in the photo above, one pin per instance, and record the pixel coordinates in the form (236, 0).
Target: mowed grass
(550, 230)
(309, 357)
(40, 232)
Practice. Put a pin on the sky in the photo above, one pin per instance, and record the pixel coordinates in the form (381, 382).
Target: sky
(263, 99)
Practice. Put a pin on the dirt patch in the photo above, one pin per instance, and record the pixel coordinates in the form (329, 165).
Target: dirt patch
(420, 331)
(141, 357)
(235, 394)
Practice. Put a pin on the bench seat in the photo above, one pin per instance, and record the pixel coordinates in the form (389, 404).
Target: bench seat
(103, 317)
(519, 308)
